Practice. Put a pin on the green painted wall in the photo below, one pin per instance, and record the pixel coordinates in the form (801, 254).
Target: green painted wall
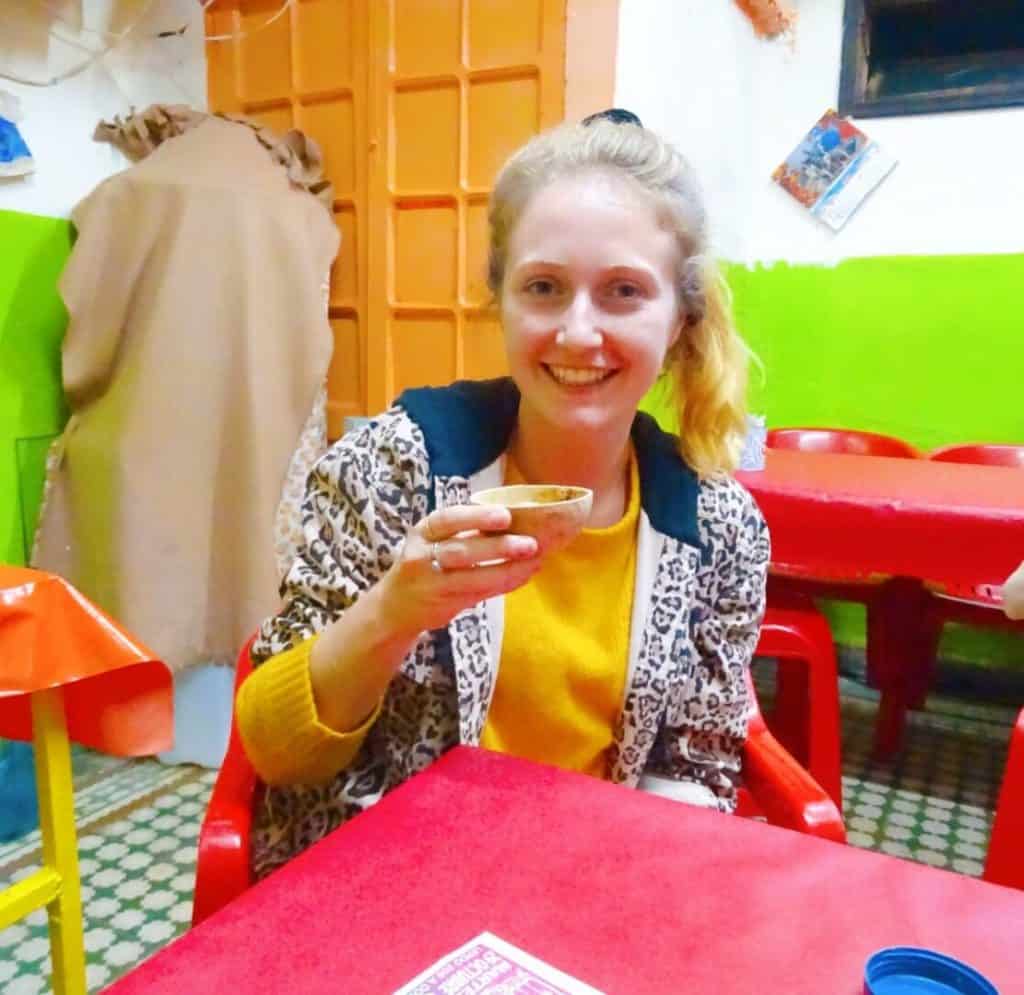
(33, 251)
(927, 348)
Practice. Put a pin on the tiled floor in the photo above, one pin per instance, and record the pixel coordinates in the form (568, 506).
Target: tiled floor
(935, 803)
(139, 821)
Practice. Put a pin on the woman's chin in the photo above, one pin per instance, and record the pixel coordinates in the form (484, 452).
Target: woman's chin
(587, 419)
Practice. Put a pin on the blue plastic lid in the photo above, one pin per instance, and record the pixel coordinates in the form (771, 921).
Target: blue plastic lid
(914, 971)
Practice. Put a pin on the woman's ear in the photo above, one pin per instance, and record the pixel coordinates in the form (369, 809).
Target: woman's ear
(674, 345)
(681, 323)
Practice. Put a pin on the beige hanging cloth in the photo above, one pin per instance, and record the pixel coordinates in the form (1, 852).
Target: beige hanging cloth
(197, 346)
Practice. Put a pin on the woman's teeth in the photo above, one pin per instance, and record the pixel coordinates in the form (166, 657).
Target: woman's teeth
(576, 377)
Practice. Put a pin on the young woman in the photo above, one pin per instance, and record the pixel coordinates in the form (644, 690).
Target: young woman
(623, 655)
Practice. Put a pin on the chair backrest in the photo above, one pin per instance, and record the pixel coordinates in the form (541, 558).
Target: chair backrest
(840, 440)
(983, 454)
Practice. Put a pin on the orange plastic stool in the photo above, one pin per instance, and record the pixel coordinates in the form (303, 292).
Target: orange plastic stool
(805, 718)
(68, 672)
(1005, 861)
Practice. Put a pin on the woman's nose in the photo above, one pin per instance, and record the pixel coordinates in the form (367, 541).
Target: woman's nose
(580, 328)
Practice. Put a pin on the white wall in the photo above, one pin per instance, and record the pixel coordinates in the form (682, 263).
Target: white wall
(58, 121)
(736, 105)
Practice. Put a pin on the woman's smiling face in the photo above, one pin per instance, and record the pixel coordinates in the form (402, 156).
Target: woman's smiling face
(589, 303)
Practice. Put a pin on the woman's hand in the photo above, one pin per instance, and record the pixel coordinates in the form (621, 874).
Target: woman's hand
(447, 564)
(450, 561)
(1013, 594)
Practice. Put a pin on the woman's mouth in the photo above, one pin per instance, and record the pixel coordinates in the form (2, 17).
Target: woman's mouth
(578, 376)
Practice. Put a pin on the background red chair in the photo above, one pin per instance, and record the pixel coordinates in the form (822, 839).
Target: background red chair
(1005, 861)
(840, 440)
(775, 787)
(985, 454)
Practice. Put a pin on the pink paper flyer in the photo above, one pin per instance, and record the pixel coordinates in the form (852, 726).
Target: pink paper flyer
(487, 965)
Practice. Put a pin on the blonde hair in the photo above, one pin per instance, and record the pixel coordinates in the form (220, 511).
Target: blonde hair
(708, 363)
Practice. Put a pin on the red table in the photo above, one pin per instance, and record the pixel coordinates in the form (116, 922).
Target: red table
(842, 517)
(857, 515)
(632, 894)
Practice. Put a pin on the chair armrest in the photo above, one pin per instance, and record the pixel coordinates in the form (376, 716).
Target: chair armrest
(786, 794)
(223, 864)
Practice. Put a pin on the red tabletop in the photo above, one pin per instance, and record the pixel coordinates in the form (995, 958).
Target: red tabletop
(835, 513)
(630, 893)
(118, 696)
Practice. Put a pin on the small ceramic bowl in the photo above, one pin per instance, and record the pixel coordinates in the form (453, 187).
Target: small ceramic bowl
(551, 513)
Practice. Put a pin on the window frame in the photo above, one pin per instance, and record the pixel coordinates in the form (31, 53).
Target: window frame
(853, 77)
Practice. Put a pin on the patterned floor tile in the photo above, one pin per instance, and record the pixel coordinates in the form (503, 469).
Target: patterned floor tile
(138, 825)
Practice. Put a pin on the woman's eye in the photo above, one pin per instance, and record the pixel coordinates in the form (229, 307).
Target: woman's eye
(625, 291)
(541, 288)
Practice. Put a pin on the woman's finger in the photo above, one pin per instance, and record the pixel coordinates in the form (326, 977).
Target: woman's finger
(468, 552)
(490, 581)
(447, 522)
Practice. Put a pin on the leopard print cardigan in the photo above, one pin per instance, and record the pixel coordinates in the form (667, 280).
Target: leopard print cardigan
(702, 560)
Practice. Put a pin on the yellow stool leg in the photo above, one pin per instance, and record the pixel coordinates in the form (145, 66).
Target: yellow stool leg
(60, 846)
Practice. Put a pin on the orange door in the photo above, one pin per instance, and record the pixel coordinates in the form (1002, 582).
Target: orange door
(416, 103)
(309, 69)
(457, 86)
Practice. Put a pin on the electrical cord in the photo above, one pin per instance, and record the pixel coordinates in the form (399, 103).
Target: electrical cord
(117, 39)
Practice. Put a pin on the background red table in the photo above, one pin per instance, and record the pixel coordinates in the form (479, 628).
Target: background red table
(633, 894)
(947, 522)
(843, 517)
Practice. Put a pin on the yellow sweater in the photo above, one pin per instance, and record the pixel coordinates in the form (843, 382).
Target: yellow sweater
(565, 649)
(277, 719)
(561, 678)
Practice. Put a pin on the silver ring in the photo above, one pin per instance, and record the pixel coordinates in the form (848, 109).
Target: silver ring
(435, 563)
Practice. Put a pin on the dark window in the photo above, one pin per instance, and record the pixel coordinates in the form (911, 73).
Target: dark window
(922, 56)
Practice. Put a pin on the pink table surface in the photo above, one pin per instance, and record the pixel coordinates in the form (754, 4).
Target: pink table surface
(633, 894)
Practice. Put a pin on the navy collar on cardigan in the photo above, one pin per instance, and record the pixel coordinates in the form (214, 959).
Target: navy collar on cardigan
(467, 427)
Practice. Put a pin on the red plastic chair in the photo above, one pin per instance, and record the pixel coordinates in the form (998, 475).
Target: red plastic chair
(805, 718)
(840, 440)
(1005, 861)
(222, 867)
(778, 789)
(985, 454)
(775, 788)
